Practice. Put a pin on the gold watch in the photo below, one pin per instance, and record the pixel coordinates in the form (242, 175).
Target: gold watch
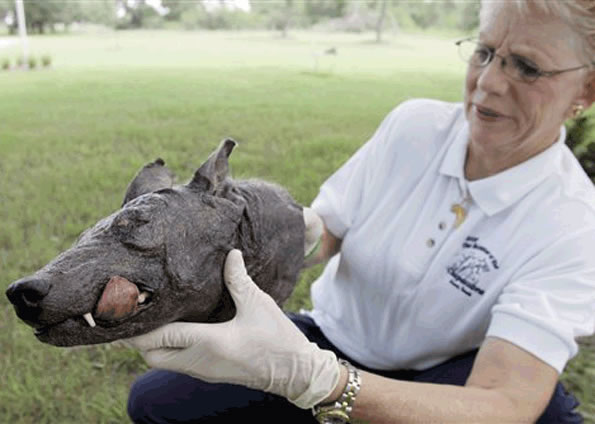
(339, 411)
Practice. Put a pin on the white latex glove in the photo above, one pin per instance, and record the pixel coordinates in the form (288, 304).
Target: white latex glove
(259, 348)
(313, 233)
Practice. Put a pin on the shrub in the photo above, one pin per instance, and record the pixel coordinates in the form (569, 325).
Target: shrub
(32, 62)
(191, 19)
(223, 19)
(153, 22)
(5, 63)
(46, 60)
(580, 139)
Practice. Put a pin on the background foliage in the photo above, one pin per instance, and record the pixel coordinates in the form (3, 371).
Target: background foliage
(355, 15)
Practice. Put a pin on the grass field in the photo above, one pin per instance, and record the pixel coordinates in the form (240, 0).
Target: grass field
(71, 138)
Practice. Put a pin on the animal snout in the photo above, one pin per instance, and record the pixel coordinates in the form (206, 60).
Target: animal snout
(26, 295)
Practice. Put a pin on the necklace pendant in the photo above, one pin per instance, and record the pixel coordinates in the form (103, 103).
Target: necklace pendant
(460, 214)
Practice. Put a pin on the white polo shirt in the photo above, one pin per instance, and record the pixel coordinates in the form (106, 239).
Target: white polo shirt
(409, 290)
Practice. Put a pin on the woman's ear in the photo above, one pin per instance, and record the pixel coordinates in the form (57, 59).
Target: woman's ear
(584, 99)
(588, 97)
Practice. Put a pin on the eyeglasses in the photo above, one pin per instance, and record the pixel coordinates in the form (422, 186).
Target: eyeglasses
(517, 67)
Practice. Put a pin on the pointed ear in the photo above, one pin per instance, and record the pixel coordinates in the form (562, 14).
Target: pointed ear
(216, 168)
(152, 177)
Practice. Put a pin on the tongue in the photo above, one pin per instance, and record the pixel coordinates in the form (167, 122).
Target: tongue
(119, 300)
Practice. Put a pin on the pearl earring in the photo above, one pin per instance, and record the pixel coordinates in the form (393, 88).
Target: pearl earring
(577, 110)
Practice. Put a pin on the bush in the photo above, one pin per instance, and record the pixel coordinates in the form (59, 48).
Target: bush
(5, 63)
(424, 14)
(153, 22)
(580, 138)
(199, 18)
(359, 20)
(32, 62)
(191, 18)
(46, 60)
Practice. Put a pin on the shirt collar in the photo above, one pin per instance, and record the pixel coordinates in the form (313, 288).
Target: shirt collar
(495, 193)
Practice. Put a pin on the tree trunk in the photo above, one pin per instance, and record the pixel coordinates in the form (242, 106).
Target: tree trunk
(380, 22)
(286, 18)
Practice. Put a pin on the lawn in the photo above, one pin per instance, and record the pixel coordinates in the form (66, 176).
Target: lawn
(72, 136)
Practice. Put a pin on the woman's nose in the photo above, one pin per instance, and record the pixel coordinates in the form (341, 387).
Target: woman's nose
(492, 78)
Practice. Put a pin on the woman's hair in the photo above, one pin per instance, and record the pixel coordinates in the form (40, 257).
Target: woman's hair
(578, 14)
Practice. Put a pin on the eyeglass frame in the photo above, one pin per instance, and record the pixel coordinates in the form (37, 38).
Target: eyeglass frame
(503, 60)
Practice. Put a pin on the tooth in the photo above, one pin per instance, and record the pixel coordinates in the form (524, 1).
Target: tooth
(89, 318)
(142, 297)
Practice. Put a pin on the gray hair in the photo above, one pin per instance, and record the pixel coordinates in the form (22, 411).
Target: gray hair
(577, 14)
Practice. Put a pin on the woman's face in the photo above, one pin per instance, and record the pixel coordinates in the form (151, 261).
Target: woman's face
(514, 120)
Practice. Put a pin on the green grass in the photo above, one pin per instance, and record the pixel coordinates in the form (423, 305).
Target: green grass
(71, 138)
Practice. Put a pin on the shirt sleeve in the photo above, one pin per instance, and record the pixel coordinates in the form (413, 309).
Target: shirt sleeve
(550, 301)
(341, 195)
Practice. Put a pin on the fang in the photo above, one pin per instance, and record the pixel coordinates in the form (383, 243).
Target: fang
(143, 297)
(89, 318)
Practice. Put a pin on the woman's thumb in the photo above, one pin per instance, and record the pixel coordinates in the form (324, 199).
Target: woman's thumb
(235, 275)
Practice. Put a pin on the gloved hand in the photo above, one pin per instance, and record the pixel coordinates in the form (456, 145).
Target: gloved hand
(313, 234)
(259, 348)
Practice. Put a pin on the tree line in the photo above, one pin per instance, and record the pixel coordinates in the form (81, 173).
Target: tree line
(282, 15)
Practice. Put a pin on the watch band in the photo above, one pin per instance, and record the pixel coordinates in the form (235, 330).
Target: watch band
(339, 412)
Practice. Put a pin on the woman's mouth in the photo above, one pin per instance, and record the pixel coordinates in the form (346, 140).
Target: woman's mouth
(486, 114)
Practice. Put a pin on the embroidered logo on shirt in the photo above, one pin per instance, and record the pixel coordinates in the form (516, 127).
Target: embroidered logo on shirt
(470, 264)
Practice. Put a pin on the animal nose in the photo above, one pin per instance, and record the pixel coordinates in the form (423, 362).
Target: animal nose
(28, 293)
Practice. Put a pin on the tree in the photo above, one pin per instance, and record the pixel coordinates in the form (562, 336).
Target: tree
(138, 12)
(39, 15)
(99, 12)
(68, 13)
(178, 7)
(5, 6)
(285, 18)
(424, 15)
(470, 16)
(317, 10)
(42, 15)
(279, 14)
(381, 5)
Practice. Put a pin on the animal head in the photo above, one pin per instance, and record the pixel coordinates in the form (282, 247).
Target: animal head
(160, 257)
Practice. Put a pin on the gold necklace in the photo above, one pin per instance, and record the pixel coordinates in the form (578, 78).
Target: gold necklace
(460, 209)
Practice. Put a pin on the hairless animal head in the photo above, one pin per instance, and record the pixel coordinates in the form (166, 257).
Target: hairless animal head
(160, 257)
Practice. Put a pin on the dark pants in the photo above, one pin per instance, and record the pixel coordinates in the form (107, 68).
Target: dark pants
(167, 397)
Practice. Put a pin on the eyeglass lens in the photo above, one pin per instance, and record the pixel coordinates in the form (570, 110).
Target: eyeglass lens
(515, 66)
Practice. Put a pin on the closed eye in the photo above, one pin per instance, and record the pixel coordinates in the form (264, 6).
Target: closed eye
(136, 229)
(126, 222)
(525, 67)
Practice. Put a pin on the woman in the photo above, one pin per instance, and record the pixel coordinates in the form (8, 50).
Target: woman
(464, 233)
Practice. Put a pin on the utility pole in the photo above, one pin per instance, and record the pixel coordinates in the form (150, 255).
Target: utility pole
(22, 30)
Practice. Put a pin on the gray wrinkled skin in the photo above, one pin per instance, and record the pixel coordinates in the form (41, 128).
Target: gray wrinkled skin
(170, 241)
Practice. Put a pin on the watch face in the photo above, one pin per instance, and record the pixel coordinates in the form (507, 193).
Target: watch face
(332, 415)
(338, 412)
